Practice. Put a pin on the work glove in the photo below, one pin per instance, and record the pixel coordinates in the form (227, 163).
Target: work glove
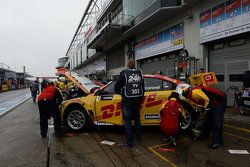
(208, 109)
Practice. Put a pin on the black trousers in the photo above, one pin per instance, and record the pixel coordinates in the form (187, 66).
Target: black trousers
(48, 108)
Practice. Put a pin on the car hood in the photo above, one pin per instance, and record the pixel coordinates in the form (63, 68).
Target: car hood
(81, 81)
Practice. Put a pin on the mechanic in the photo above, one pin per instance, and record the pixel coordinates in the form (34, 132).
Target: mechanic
(130, 86)
(48, 103)
(215, 102)
(34, 89)
(170, 117)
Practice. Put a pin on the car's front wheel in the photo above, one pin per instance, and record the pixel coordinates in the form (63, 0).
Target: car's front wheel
(186, 124)
(76, 119)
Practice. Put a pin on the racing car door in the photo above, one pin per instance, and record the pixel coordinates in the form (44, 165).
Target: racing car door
(156, 93)
(108, 106)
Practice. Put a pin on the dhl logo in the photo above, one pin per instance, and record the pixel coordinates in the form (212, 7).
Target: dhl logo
(112, 110)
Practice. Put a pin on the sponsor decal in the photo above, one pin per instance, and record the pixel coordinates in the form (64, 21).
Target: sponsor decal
(106, 97)
(110, 110)
(102, 123)
(151, 100)
(148, 88)
(151, 116)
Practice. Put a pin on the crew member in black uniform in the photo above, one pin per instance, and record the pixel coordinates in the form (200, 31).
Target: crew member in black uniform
(48, 103)
(131, 87)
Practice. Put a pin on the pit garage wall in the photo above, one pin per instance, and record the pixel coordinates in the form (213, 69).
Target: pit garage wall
(192, 41)
(226, 53)
(229, 48)
(191, 26)
(152, 49)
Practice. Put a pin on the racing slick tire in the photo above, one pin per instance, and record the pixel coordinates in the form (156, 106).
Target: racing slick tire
(186, 126)
(76, 119)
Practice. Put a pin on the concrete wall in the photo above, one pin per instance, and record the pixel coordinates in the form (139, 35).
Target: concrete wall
(191, 20)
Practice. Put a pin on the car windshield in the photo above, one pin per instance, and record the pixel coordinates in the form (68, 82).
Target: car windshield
(86, 82)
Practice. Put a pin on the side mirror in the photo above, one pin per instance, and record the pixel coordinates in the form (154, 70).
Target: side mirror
(97, 91)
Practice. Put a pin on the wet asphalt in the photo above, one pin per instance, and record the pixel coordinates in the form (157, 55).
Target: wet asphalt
(22, 145)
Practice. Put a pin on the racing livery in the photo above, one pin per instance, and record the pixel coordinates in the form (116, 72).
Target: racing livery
(104, 105)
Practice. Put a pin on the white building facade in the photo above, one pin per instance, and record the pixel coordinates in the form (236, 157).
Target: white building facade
(154, 32)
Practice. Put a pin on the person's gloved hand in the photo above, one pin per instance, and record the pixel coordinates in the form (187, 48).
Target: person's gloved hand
(208, 109)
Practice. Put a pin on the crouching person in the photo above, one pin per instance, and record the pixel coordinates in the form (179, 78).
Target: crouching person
(170, 117)
(48, 103)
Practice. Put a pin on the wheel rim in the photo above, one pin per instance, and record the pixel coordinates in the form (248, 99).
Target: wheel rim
(185, 124)
(76, 119)
(65, 96)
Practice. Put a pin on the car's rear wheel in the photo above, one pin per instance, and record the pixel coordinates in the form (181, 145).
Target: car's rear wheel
(76, 119)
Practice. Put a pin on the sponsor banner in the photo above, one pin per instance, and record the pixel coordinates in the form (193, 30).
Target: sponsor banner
(245, 16)
(205, 23)
(218, 18)
(233, 14)
(165, 41)
(227, 19)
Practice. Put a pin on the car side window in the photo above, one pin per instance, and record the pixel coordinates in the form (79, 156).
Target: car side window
(168, 86)
(109, 89)
(152, 84)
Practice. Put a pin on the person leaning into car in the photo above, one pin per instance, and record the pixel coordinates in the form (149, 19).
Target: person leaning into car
(130, 86)
(214, 100)
(48, 103)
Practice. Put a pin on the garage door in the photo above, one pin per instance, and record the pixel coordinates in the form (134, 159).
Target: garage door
(229, 59)
(151, 66)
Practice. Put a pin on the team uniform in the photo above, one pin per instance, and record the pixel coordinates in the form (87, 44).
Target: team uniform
(130, 86)
(48, 102)
(170, 119)
(215, 100)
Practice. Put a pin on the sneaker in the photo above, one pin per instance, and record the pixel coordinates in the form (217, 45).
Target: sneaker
(215, 146)
(173, 141)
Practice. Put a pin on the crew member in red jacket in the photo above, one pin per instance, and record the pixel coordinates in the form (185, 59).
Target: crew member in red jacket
(216, 101)
(170, 117)
(48, 103)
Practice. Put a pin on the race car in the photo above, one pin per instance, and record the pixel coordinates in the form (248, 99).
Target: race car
(104, 106)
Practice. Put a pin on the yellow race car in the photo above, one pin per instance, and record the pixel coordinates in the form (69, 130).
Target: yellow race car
(103, 106)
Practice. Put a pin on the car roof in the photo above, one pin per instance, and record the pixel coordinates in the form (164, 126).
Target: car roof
(162, 77)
